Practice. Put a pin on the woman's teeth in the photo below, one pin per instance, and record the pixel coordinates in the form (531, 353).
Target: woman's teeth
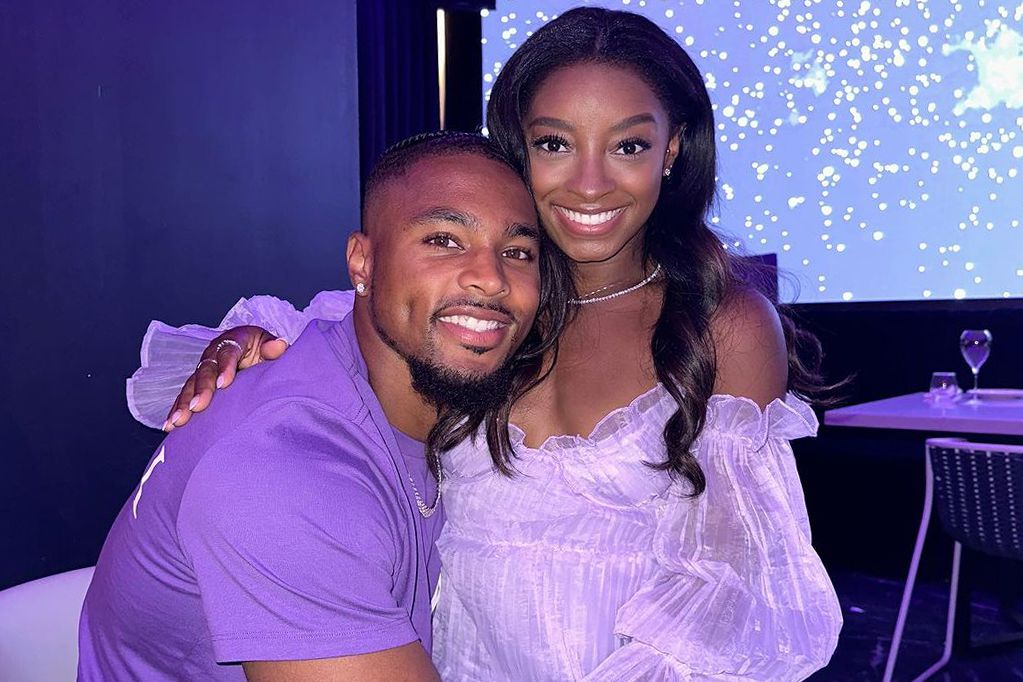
(589, 218)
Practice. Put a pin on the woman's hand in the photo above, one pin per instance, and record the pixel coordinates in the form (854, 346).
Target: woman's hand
(237, 348)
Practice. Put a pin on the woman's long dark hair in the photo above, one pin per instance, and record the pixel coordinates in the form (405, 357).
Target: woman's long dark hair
(699, 273)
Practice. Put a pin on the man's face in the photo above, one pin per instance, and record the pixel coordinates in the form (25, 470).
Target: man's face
(453, 275)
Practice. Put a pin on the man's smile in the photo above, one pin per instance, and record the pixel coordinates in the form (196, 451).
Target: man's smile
(475, 327)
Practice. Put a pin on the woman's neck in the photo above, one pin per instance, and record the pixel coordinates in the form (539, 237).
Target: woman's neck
(621, 270)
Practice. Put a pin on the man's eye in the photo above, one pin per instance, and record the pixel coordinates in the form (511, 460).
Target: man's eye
(551, 144)
(445, 241)
(519, 254)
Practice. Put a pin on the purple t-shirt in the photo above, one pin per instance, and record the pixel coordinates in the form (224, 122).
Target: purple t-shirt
(278, 525)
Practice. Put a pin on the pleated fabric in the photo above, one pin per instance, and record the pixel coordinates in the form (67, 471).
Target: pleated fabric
(169, 354)
(590, 565)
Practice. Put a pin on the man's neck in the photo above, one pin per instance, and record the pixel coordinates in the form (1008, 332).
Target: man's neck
(390, 379)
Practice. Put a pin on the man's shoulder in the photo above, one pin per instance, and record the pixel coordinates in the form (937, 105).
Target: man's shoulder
(297, 436)
(296, 466)
(317, 384)
(321, 366)
(303, 426)
(285, 441)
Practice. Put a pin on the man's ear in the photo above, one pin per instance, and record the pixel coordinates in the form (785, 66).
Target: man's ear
(360, 261)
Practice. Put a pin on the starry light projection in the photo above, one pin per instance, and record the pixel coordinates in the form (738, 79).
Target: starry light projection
(875, 146)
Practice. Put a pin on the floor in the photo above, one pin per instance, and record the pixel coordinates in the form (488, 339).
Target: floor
(870, 606)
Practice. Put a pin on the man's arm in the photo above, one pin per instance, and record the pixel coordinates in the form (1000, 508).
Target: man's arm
(408, 663)
(286, 525)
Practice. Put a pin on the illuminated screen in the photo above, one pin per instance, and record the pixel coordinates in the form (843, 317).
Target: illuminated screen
(874, 146)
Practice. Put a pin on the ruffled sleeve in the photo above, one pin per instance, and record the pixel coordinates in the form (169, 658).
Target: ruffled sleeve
(739, 594)
(169, 354)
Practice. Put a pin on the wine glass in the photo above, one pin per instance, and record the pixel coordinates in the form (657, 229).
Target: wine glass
(975, 345)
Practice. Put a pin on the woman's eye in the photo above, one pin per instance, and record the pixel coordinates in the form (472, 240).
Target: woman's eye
(519, 254)
(632, 147)
(551, 145)
(445, 241)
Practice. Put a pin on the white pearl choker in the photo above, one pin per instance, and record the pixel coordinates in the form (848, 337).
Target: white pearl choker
(589, 298)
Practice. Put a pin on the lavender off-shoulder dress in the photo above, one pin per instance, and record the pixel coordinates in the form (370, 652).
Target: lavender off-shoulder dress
(590, 565)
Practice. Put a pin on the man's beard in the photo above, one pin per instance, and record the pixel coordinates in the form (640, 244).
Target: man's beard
(448, 388)
(466, 393)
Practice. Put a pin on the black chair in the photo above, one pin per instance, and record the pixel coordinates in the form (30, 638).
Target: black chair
(978, 489)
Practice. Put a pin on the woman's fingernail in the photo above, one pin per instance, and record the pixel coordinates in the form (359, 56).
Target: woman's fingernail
(195, 401)
(174, 417)
(220, 381)
(167, 426)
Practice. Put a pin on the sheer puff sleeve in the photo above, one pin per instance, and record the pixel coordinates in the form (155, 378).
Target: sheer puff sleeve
(740, 593)
(169, 354)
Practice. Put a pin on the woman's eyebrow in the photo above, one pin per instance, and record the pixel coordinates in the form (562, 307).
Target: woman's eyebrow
(624, 124)
(627, 123)
(551, 123)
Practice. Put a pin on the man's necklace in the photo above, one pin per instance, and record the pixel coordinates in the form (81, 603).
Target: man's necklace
(590, 298)
(427, 511)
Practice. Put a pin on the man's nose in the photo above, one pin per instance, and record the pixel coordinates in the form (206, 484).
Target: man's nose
(484, 274)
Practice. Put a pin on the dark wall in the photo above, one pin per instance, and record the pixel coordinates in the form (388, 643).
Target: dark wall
(398, 81)
(864, 487)
(157, 160)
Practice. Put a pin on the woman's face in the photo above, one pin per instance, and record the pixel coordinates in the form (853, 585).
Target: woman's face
(599, 141)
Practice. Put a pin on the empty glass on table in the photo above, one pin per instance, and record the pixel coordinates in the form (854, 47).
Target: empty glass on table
(975, 345)
(943, 386)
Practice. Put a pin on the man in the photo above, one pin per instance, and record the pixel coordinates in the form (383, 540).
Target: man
(291, 528)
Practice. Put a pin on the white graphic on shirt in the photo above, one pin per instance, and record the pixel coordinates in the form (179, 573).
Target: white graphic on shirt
(145, 477)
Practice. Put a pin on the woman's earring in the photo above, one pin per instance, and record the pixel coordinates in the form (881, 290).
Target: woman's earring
(667, 172)
(360, 288)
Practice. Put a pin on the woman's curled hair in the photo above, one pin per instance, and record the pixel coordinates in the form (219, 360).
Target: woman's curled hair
(700, 274)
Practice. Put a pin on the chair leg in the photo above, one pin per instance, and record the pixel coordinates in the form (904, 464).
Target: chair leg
(914, 566)
(950, 621)
(962, 635)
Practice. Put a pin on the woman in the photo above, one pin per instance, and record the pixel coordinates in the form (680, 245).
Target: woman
(651, 525)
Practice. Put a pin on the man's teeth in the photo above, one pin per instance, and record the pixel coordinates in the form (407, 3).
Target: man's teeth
(473, 323)
(590, 218)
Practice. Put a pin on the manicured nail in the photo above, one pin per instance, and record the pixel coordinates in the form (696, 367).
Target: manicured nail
(191, 405)
(220, 381)
(167, 426)
(174, 417)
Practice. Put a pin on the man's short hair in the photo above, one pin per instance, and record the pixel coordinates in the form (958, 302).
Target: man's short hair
(396, 161)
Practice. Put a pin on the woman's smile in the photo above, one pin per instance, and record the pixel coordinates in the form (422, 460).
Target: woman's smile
(589, 223)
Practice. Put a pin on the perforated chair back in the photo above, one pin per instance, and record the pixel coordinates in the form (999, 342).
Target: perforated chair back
(978, 490)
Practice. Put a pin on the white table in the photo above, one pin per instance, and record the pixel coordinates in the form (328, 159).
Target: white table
(917, 413)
